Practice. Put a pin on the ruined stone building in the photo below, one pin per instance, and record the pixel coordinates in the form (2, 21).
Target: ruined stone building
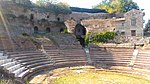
(128, 24)
(31, 20)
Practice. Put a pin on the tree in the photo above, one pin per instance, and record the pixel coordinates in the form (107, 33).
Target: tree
(53, 6)
(60, 8)
(113, 6)
(45, 2)
(147, 26)
(129, 5)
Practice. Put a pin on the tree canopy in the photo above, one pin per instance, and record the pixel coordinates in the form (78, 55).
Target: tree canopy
(45, 2)
(53, 6)
(113, 6)
(147, 26)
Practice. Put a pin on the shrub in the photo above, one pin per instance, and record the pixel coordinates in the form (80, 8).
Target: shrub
(25, 34)
(87, 39)
(65, 30)
(103, 37)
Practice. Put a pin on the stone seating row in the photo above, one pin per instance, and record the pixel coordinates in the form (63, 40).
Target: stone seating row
(21, 52)
(60, 56)
(21, 64)
(63, 39)
(111, 56)
(11, 66)
(120, 57)
(143, 60)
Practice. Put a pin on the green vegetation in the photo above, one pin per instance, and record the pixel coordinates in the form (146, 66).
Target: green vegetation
(65, 30)
(113, 6)
(52, 6)
(147, 27)
(26, 4)
(25, 34)
(45, 2)
(93, 76)
(99, 38)
(44, 6)
(6, 82)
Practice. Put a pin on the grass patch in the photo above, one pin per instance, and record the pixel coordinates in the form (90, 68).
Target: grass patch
(6, 81)
(101, 77)
(93, 76)
(88, 75)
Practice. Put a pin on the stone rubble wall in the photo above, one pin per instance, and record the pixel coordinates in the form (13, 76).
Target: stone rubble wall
(132, 40)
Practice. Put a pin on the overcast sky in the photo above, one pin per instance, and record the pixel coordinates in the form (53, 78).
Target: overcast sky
(143, 4)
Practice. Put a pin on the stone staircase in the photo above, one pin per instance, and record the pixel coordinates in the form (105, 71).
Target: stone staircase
(65, 50)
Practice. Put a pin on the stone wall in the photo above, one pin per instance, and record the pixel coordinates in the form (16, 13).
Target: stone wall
(99, 25)
(50, 25)
(133, 20)
(93, 22)
(132, 40)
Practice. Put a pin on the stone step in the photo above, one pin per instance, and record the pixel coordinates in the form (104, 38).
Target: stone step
(112, 56)
(111, 62)
(143, 56)
(68, 57)
(38, 64)
(22, 52)
(144, 52)
(28, 57)
(31, 59)
(35, 61)
(41, 66)
(27, 54)
(64, 55)
(3, 57)
(5, 61)
(56, 50)
(18, 71)
(21, 75)
(73, 53)
(60, 61)
(112, 53)
(13, 68)
(9, 64)
(99, 53)
(143, 60)
(142, 67)
(1, 53)
(76, 60)
(70, 63)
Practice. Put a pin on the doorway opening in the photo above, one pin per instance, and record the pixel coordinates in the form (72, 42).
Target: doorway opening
(48, 30)
(80, 33)
(36, 29)
(31, 17)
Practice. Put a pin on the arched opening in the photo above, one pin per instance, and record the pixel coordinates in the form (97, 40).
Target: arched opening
(80, 32)
(58, 19)
(48, 16)
(48, 30)
(61, 30)
(35, 29)
(31, 16)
